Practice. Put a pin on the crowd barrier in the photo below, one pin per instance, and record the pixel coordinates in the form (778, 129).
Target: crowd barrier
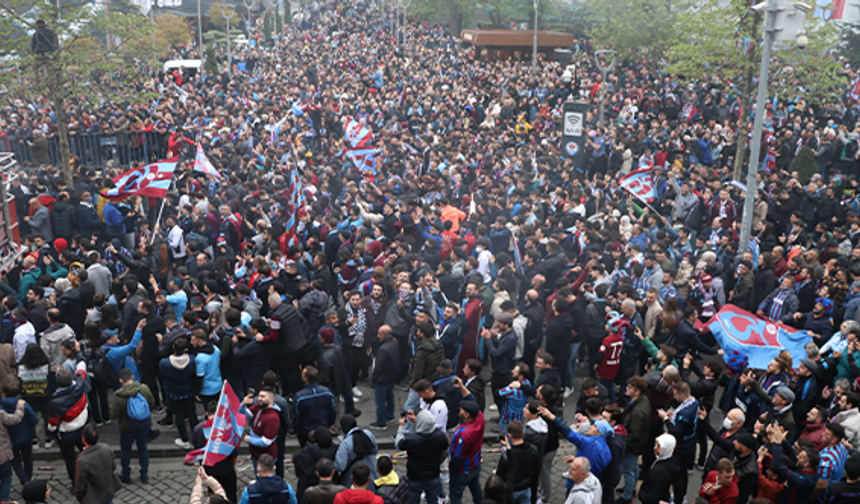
(97, 150)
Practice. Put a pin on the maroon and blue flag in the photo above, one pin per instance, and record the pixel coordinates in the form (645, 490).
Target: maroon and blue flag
(223, 432)
(759, 339)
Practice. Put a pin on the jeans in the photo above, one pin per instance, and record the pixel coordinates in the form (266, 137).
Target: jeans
(125, 442)
(630, 471)
(67, 448)
(432, 487)
(182, 409)
(413, 402)
(5, 480)
(98, 404)
(348, 401)
(22, 461)
(571, 363)
(383, 393)
(545, 478)
(523, 496)
(460, 481)
(610, 386)
(679, 485)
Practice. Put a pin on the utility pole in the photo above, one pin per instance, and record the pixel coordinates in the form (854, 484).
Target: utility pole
(604, 70)
(229, 52)
(535, 43)
(791, 28)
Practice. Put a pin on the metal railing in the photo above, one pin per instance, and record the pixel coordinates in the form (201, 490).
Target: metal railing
(97, 150)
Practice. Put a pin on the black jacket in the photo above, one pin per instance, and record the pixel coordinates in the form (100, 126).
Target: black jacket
(520, 466)
(558, 339)
(656, 486)
(332, 370)
(637, 421)
(154, 325)
(425, 454)
(703, 389)
(386, 369)
(304, 463)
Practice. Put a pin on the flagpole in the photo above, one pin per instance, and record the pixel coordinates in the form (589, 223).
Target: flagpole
(220, 396)
(161, 209)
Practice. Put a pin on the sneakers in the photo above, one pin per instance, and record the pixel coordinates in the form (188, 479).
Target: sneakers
(157, 411)
(107, 422)
(152, 434)
(144, 479)
(700, 467)
(443, 500)
(493, 407)
(165, 422)
(356, 392)
(49, 444)
(356, 413)
(125, 479)
(567, 392)
(183, 444)
(378, 427)
(100, 424)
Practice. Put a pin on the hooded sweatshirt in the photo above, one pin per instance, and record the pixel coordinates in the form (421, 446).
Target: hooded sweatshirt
(425, 447)
(587, 492)
(52, 342)
(179, 372)
(656, 486)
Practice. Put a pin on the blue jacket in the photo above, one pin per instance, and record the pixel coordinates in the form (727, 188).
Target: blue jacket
(269, 490)
(119, 356)
(113, 219)
(179, 373)
(314, 406)
(208, 363)
(23, 431)
(594, 448)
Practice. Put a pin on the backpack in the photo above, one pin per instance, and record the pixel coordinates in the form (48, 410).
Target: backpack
(137, 410)
(102, 372)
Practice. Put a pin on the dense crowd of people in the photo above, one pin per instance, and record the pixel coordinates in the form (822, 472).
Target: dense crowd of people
(476, 268)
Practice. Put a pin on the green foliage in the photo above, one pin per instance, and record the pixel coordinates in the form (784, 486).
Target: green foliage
(267, 27)
(217, 19)
(804, 164)
(633, 26)
(456, 13)
(710, 49)
(100, 56)
(211, 64)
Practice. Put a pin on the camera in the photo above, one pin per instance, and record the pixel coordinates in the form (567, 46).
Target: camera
(402, 414)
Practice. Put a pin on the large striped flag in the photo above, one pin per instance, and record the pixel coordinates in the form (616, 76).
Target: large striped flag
(640, 184)
(202, 164)
(365, 160)
(355, 134)
(151, 180)
(223, 432)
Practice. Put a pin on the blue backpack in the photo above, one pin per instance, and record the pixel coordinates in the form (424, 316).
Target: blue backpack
(137, 409)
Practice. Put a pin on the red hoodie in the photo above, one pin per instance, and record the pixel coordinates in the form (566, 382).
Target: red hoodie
(350, 496)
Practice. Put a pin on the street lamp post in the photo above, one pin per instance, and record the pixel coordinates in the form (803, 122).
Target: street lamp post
(249, 6)
(228, 18)
(535, 42)
(788, 28)
(200, 29)
(604, 70)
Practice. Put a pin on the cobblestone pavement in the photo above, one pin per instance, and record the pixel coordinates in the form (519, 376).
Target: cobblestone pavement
(171, 482)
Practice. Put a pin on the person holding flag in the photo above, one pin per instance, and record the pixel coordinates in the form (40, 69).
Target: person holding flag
(265, 418)
(223, 470)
